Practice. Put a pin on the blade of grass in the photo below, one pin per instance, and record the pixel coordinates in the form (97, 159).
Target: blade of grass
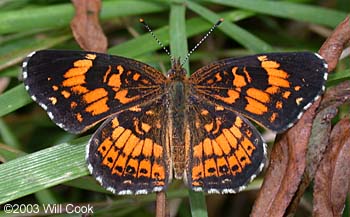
(137, 46)
(15, 51)
(7, 135)
(13, 99)
(60, 15)
(177, 32)
(285, 9)
(42, 169)
(8, 153)
(338, 77)
(178, 44)
(198, 204)
(242, 36)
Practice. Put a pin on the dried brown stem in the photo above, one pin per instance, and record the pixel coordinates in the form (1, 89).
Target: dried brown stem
(288, 157)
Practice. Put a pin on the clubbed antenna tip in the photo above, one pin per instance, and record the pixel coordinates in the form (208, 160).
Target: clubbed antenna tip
(155, 37)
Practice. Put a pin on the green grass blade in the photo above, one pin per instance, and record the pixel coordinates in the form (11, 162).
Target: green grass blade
(42, 169)
(145, 43)
(8, 135)
(8, 153)
(285, 9)
(13, 53)
(61, 14)
(198, 204)
(13, 99)
(242, 36)
(177, 32)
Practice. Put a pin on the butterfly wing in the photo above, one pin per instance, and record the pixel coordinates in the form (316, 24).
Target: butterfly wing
(272, 89)
(226, 151)
(127, 154)
(78, 89)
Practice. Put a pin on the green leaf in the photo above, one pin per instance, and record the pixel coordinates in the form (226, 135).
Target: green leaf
(242, 36)
(14, 52)
(285, 9)
(13, 99)
(137, 46)
(177, 32)
(61, 14)
(198, 204)
(42, 169)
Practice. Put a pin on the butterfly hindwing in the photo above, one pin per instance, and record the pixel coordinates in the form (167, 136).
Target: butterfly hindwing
(79, 88)
(226, 150)
(127, 154)
(272, 89)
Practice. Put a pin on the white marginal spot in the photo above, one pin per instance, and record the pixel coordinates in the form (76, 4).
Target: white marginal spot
(307, 106)
(24, 64)
(33, 97)
(213, 191)
(319, 56)
(26, 87)
(142, 191)
(90, 168)
(31, 54)
(261, 167)
(61, 125)
(50, 115)
(99, 179)
(299, 115)
(43, 106)
(228, 191)
(325, 76)
(25, 74)
(157, 189)
(111, 189)
(125, 192)
(254, 176)
(197, 189)
(242, 188)
(289, 125)
(325, 65)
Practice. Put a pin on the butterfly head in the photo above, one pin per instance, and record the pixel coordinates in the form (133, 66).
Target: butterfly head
(176, 71)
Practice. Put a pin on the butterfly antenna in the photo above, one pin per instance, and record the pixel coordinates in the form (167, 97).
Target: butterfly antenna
(202, 40)
(157, 40)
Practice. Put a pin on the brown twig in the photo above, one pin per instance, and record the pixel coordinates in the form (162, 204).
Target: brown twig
(288, 157)
(161, 205)
(86, 27)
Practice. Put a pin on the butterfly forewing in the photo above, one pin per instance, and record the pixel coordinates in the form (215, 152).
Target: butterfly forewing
(273, 89)
(79, 89)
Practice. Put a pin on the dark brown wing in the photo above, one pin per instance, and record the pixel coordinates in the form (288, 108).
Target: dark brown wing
(272, 89)
(78, 89)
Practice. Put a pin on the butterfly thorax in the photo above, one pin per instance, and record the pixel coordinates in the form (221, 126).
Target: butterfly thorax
(177, 96)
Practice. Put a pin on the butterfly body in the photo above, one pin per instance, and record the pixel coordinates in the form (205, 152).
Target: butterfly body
(159, 127)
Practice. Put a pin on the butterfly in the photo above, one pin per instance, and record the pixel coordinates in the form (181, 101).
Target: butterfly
(157, 127)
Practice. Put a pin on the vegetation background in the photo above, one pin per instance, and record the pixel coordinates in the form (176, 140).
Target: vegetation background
(42, 164)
